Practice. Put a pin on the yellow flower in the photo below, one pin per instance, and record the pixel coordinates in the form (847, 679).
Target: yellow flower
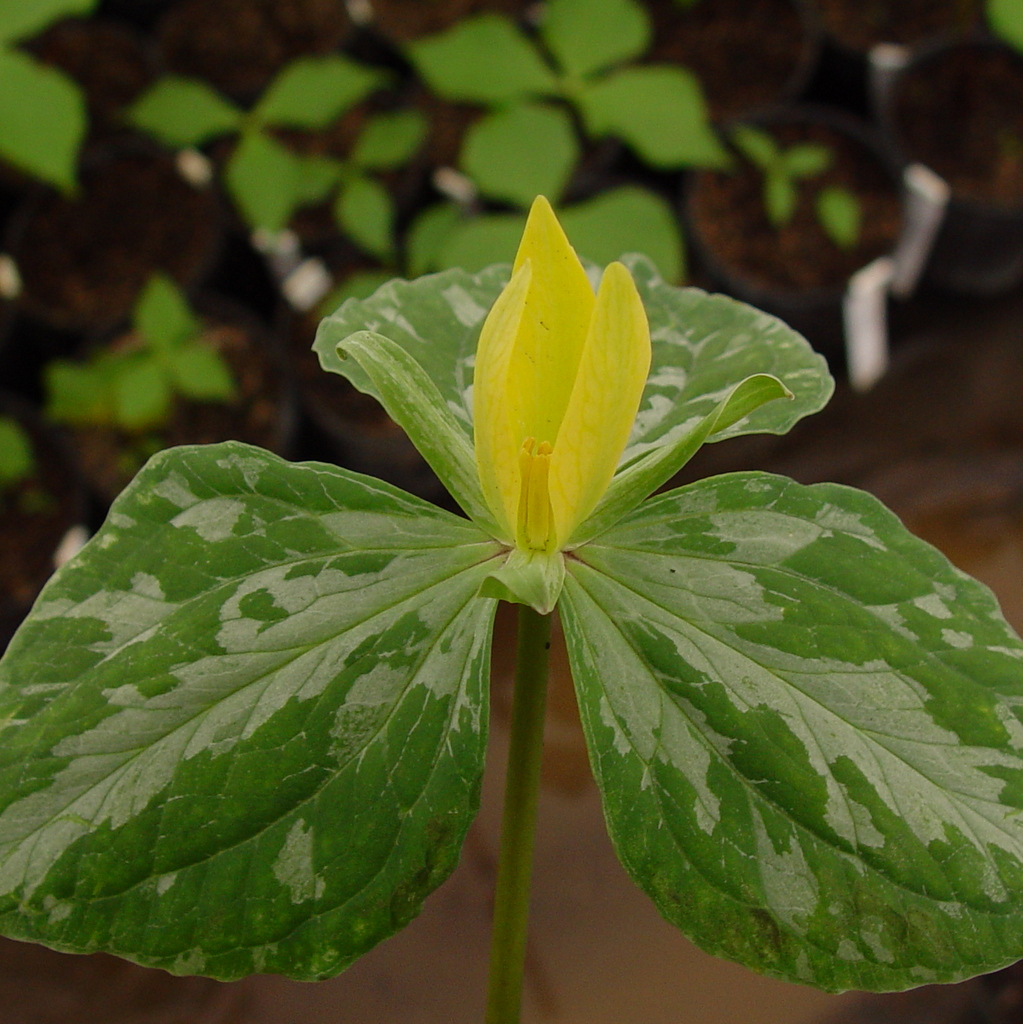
(558, 380)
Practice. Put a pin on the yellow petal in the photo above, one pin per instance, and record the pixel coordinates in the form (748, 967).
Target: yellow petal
(559, 305)
(497, 412)
(612, 373)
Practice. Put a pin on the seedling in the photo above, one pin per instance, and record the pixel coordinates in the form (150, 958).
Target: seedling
(269, 181)
(133, 387)
(244, 728)
(837, 209)
(527, 145)
(44, 116)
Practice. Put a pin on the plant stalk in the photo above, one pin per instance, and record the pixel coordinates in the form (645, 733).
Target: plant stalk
(522, 787)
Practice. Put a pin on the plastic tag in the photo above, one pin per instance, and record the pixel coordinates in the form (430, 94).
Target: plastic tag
(865, 312)
(926, 199)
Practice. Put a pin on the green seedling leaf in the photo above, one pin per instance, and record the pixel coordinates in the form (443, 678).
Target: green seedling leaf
(427, 235)
(623, 220)
(20, 19)
(40, 133)
(16, 458)
(261, 747)
(162, 314)
(266, 181)
(318, 176)
(364, 211)
(141, 393)
(77, 394)
(838, 211)
(200, 373)
(521, 152)
(780, 198)
(659, 111)
(806, 159)
(414, 402)
(389, 140)
(313, 91)
(184, 112)
(804, 724)
(479, 242)
(756, 145)
(1006, 20)
(484, 59)
(587, 36)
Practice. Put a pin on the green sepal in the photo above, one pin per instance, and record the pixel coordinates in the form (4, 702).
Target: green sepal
(412, 400)
(244, 729)
(656, 466)
(533, 578)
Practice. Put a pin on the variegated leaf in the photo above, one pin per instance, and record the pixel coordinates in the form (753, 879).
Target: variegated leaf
(244, 729)
(703, 346)
(806, 726)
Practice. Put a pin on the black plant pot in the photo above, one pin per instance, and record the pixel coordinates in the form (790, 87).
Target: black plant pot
(723, 239)
(955, 108)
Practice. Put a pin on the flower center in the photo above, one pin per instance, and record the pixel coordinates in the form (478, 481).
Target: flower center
(535, 516)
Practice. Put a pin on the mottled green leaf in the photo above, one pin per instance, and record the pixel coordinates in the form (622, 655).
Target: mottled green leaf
(22, 18)
(313, 91)
(659, 111)
(42, 130)
(806, 727)
(184, 112)
(483, 59)
(521, 152)
(245, 726)
(587, 36)
(389, 140)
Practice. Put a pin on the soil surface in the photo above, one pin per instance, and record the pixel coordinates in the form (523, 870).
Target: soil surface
(260, 414)
(959, 112)
(746, 53)
(239, 45)
(859, 24)
(110, 61)
(726, 211)
(84, 261)
(402, 20)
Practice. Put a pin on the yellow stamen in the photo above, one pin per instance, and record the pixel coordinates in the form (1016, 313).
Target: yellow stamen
(535, 518)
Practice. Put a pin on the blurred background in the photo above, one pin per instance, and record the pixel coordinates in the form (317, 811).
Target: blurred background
(188, 186)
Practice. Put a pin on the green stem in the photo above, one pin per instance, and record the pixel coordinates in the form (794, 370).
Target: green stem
(522, 787)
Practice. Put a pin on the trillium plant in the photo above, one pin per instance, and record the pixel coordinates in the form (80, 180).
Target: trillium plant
(244, 728)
